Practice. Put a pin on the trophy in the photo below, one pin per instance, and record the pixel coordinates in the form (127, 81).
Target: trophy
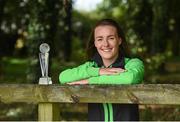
(44, 61)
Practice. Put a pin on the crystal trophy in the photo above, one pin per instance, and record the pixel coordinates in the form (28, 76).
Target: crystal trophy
(44, 62)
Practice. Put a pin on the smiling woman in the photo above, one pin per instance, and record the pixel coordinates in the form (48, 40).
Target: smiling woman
(108, 64)
(86, 5)
(107, 43)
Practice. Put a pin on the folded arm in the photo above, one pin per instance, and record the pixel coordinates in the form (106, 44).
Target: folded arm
(83, 71)
(133, 74)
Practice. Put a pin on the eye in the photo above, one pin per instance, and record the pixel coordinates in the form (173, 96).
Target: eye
(111, 38)
(98, 40)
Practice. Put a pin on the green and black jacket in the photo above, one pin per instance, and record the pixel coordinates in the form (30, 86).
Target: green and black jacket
(90, 71)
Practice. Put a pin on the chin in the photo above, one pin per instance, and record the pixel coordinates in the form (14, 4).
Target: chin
(107, 57)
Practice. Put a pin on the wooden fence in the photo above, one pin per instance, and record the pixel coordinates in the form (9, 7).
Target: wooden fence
(48, 96)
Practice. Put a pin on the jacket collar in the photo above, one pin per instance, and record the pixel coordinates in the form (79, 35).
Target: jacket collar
(119, 63)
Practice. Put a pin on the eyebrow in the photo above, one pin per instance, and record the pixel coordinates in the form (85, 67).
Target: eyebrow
(111, 35)
(99, 37)
(107, 36)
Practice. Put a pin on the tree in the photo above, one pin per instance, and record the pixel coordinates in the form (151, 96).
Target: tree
(68, 29)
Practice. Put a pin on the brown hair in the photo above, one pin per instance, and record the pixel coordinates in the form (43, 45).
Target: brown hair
(123, 50)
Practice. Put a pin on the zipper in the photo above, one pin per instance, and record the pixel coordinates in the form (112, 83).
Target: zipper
(108, 109)
(105, 112)
(108, 112)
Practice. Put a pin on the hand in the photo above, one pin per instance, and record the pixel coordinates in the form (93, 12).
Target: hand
(110, 71)
(80, 82)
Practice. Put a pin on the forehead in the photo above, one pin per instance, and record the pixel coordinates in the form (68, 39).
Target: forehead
(105, 29)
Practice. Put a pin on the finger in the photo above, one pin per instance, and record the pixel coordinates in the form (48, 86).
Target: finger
(111, 72)
(72, 83)
(69, 83)
(121, 70)
(114, 69)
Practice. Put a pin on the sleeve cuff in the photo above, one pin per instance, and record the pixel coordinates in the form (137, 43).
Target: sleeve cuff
(93, 71)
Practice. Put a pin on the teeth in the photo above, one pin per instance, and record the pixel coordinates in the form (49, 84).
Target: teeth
(107, 50)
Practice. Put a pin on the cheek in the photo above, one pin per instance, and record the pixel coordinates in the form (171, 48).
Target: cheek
(96, 44)
(116, 45)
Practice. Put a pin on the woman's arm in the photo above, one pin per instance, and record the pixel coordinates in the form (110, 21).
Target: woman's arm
(83, 71)
(134, 74)
(102, 71)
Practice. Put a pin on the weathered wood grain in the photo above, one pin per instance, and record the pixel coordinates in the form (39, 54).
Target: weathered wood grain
(48, 112)
(140, 94)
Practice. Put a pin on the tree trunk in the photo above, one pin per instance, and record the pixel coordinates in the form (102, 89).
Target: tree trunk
(68, 30)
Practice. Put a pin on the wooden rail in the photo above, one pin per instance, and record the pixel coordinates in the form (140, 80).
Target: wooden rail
(47, 96)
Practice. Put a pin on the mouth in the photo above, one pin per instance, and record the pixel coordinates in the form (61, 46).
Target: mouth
(107, 50)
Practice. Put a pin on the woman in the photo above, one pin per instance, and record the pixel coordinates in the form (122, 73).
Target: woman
(108, 64)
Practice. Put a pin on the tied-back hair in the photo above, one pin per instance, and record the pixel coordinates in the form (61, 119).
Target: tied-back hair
(123, 49)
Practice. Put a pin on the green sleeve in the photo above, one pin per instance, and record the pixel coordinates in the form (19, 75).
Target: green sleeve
(133, 75)
(83, 71)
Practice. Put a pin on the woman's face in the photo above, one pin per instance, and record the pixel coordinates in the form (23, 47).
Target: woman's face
(107, 42)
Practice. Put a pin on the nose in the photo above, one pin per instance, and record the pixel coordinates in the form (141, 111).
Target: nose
(105, 42)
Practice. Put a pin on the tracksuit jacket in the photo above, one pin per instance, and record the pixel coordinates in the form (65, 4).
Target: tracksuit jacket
(90, 70)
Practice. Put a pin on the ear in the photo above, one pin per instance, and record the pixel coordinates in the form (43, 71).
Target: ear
(119, 41)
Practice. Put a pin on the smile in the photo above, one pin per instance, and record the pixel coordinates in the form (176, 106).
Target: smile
(106, 50)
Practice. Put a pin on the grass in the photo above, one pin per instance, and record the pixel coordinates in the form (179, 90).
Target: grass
(15, 70)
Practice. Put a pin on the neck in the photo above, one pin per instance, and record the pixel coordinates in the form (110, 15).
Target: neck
(108, 62)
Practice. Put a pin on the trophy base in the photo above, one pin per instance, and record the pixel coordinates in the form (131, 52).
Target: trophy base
(45, 80)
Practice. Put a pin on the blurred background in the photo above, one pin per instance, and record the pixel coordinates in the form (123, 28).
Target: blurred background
(152, 30)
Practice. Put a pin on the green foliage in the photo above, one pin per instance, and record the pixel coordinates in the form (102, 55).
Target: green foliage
(14, 70)
(146, 26)
(79, 53)
(151, 27)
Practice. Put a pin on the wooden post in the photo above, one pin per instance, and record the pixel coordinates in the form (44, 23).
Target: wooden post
(48, 112)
